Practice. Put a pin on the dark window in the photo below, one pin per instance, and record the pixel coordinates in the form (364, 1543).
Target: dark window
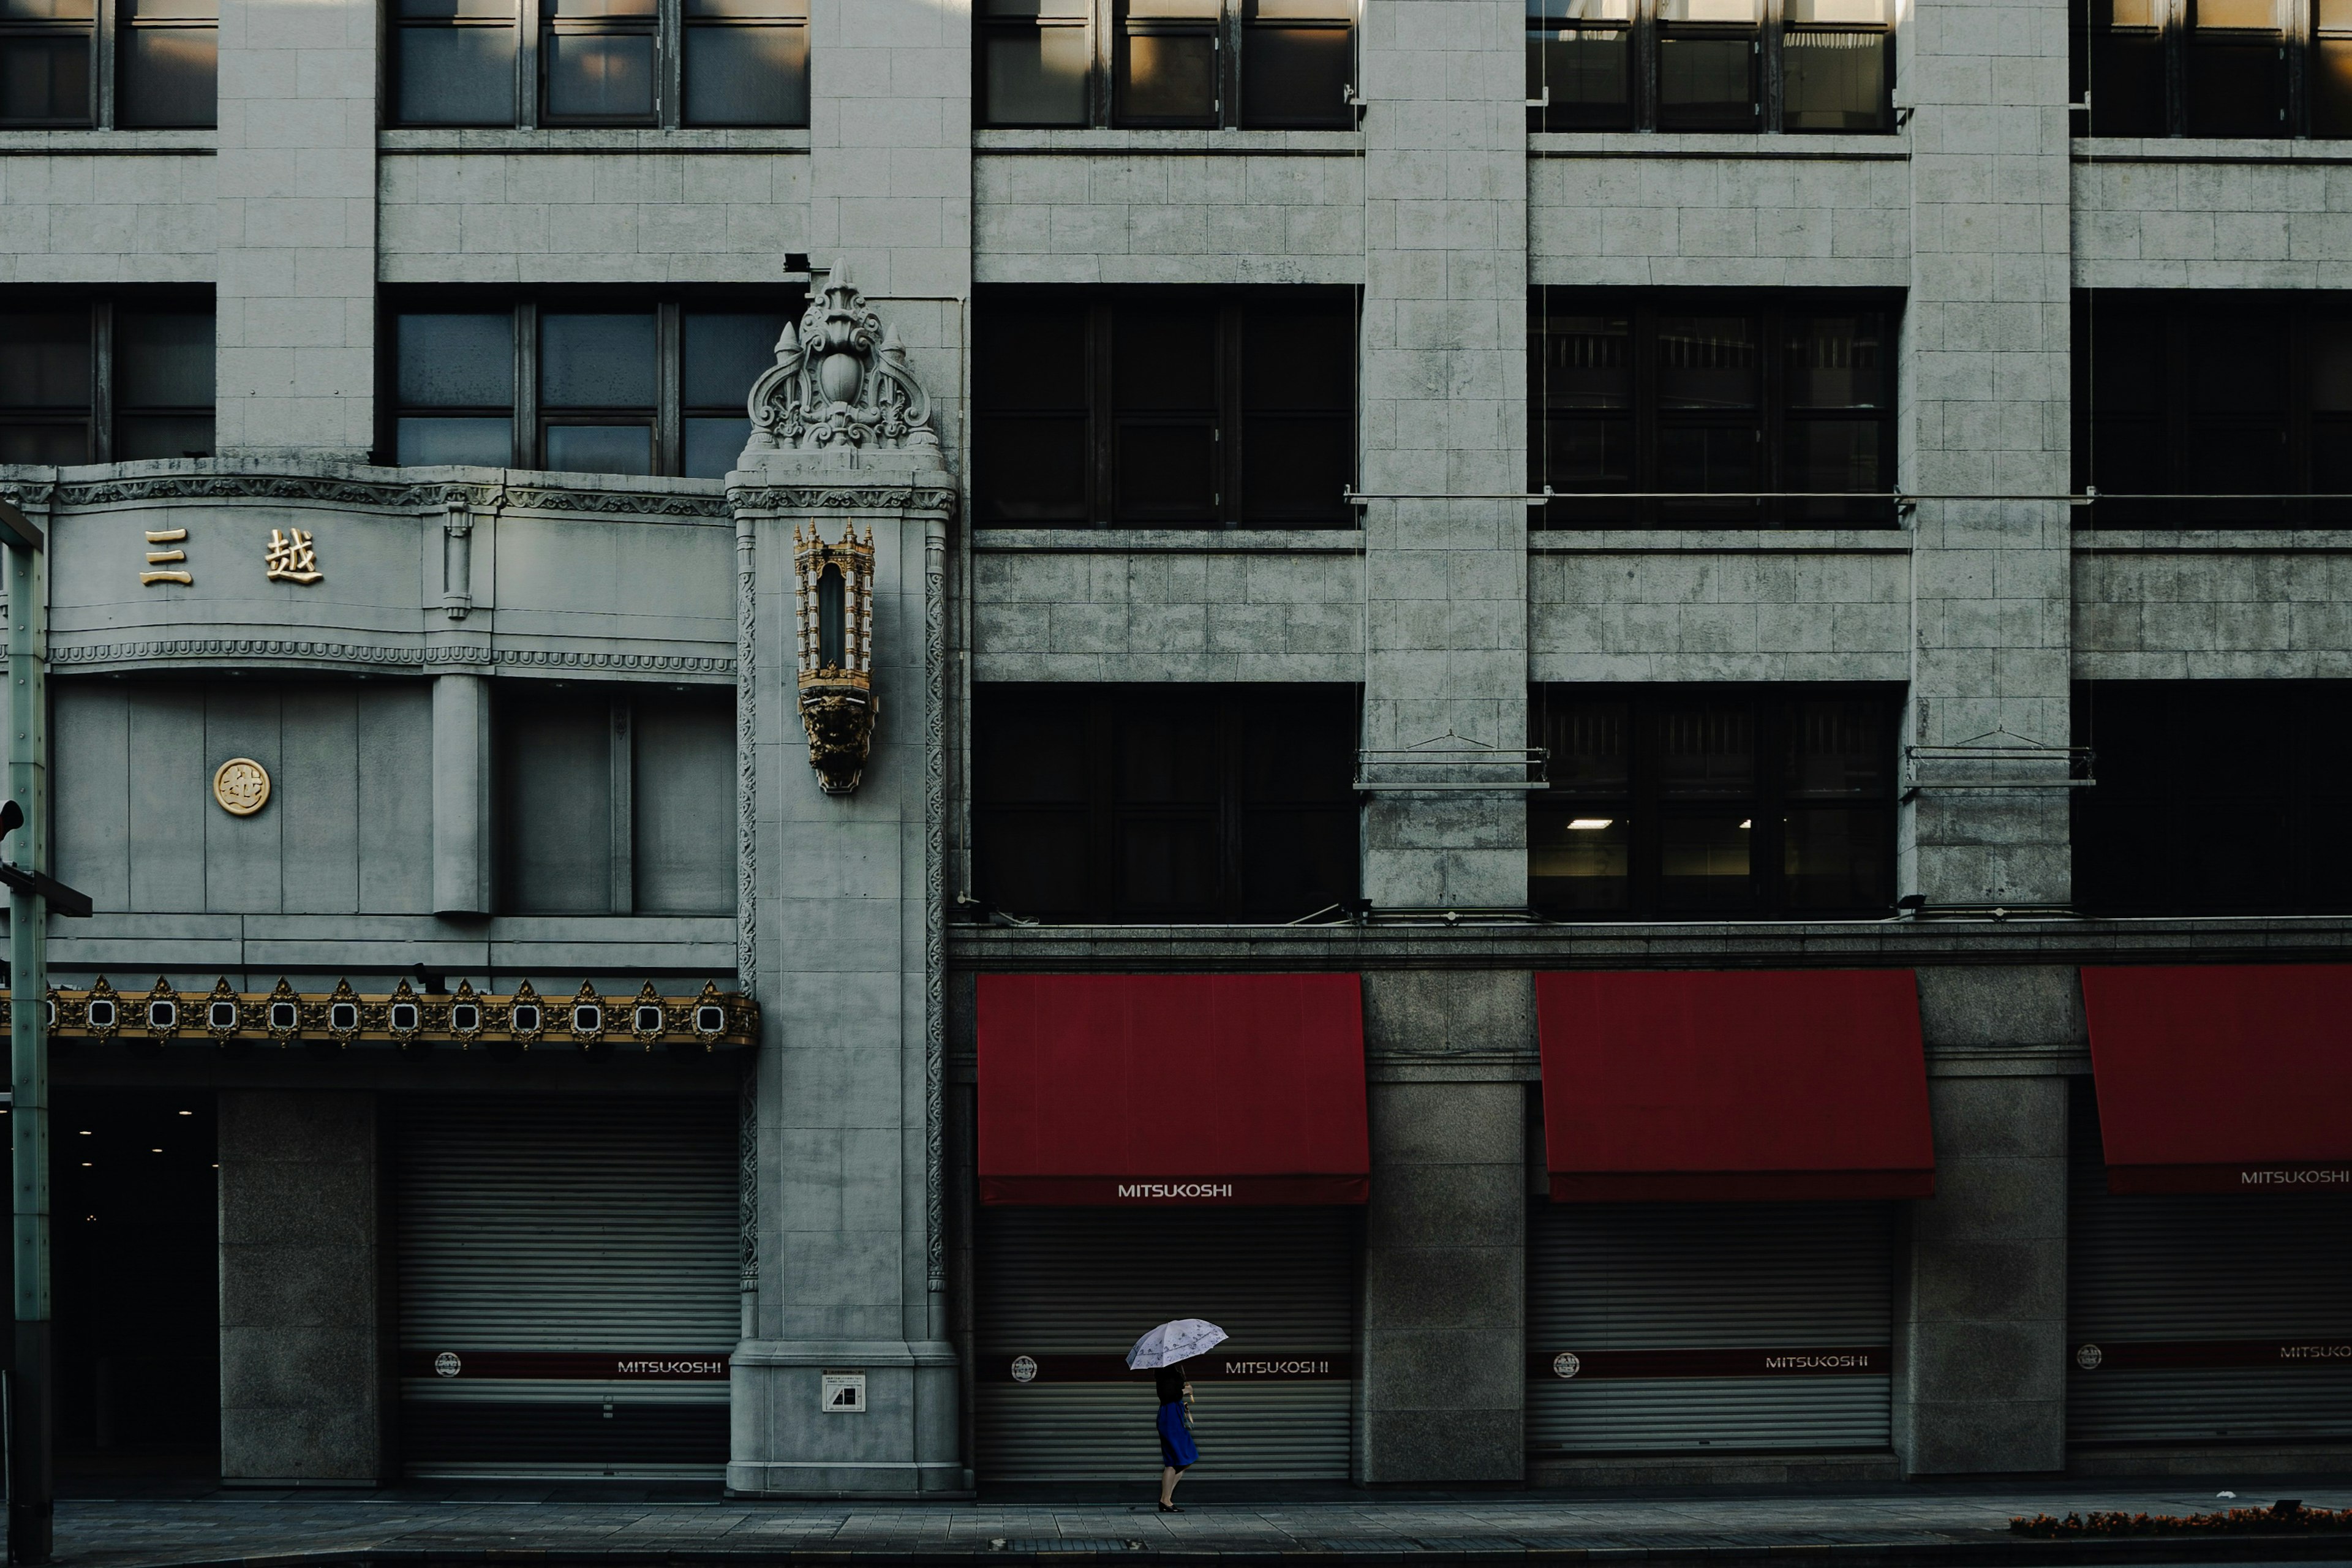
(2214, 797)
(1163, 803)
(1709, 65)
(1165, 61)
(1297, 63)
(455, 62)
(154, 400)
(45, 53)
(2212, 67)
(170, 62)
(597, 372)
(1273, 64)
(2236, 396)
(1034, 59)
(652, 386)
(162, 384)
(602, 62)
(616, 802)
(1664, 393)
(1164, 407)
(746, 62)
(599, 61)
(1692, 802)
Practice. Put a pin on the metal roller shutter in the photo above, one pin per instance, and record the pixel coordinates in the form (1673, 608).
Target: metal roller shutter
(1710, 1327)
(568, 1286)
(2204, 1318)
(1067, 1291)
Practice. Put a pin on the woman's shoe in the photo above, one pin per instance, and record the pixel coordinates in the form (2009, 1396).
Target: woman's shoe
(1169, 1507)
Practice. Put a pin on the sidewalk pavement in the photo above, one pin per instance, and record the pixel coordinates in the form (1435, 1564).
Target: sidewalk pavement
(555, 1523)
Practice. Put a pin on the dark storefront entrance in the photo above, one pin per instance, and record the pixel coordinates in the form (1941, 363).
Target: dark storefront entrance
(135, 1275)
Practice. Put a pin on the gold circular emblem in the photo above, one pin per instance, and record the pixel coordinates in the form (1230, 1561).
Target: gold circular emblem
(242, 786)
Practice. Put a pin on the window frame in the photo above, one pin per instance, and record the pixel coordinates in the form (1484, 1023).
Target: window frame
(1646, 31)
(2305, 113)
(129, 26)
(1103, 417)
(98, 32)
(1092, 713)
(530, 418)
(1769, 799)
(1775, 413)
(527, 109)
(2174, 317)
(1106, 25)
(98, 417)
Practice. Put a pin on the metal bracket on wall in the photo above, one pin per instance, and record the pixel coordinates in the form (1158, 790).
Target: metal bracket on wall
(2030, 763)
(1415, 769)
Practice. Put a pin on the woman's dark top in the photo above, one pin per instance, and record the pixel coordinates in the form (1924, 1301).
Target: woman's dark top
(1171, 1380)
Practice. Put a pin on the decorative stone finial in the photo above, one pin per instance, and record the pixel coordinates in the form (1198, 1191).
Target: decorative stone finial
(840, 383)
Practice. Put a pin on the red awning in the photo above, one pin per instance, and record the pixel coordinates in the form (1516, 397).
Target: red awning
(1694, 1086)
(2223, 1077)
(1172, 1089)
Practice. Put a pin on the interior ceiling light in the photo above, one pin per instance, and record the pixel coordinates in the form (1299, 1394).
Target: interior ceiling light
(1588, 824)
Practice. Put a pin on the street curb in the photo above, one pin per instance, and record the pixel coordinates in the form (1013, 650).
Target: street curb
(1998, 1550)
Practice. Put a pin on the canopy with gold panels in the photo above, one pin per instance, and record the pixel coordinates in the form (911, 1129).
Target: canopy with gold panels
(710, 1020)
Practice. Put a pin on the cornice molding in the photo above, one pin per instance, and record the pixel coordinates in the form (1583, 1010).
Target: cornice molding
(396, 655)
(886, 496)
(321, 490)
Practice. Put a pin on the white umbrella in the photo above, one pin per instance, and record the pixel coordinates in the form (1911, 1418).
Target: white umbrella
(1174, 1342)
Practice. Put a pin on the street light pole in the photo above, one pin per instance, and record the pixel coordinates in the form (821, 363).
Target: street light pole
(32, 1472)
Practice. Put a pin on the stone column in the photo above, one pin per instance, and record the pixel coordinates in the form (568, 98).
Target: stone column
(1984, 394)
(295, 288)
(462, 843)
(843, 921)
(1981, 1314)
(1443, 1390)
(1446, 417)
(305, 1336)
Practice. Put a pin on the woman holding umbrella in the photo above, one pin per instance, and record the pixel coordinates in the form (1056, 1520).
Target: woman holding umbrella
(1163, 1350)
(1178, 1452)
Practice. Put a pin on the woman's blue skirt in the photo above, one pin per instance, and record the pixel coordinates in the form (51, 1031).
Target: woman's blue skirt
(1176, 1447)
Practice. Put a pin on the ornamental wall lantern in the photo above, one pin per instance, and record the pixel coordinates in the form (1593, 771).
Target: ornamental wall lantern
(836, 653)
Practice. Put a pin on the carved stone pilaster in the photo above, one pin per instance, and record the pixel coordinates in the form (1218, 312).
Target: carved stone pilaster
(935, 912)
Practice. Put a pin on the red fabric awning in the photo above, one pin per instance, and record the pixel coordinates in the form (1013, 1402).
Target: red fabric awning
(1693, 1086)
(1172, 1089)
(2223, 1077)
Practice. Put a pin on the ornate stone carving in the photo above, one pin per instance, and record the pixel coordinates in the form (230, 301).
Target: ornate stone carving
(836, 653)
(935, 915)
(386, 497)
(397, 656)
(747, 758)
(840, 382)
(787, 498)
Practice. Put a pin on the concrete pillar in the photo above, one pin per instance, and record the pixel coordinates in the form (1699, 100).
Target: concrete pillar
(1980, 1313)
(1446, 417)
(1442, 1395)
(842, 938)
(296, 172)
(461, 795)
(305, 1332)
(1984, 396)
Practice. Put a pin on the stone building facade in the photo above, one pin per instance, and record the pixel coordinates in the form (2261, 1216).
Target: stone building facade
(542, 731)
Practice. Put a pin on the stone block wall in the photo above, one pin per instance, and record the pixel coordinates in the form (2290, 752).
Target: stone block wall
(305, 1337)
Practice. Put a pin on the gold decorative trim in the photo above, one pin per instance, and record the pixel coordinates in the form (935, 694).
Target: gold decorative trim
(710, 1020)
(241, 786)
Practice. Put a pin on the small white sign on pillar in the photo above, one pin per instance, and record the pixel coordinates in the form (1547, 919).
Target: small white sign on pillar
(842, 1393)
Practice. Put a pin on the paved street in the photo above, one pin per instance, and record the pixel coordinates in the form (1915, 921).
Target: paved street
(1918, 1523)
